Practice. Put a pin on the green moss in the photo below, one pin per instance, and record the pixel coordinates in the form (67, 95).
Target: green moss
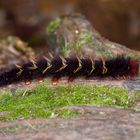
(53, 25)
(84, 39)
(43, 102)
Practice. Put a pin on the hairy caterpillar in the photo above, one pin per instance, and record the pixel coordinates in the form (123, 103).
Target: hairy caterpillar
(80, 52)
(72, 67)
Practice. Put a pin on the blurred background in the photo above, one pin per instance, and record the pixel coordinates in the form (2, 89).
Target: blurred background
(117, 20)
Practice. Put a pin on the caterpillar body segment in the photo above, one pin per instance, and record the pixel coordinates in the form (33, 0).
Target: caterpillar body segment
(64, 65)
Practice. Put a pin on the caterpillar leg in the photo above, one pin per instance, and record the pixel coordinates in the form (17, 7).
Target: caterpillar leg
(71, 79)
(40, 80)
(27, 82)
(55, 80)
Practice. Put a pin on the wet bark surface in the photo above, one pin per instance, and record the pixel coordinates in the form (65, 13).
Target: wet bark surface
(100, 123)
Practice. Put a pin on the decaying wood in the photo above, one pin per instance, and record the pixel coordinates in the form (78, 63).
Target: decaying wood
(74, 34)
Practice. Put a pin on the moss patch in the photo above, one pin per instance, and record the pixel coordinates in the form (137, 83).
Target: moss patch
(43, 101)
(66, 49)
(84, 39)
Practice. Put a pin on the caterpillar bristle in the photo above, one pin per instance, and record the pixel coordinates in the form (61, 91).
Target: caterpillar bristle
(73, 67)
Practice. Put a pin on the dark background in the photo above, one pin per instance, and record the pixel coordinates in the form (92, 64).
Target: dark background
(117, 20)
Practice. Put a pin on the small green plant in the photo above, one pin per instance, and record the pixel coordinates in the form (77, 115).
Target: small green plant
(43, 101)
(53, 25)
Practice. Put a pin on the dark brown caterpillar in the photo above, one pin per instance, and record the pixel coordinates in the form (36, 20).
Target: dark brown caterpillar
(59, 67)
(84, 53)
